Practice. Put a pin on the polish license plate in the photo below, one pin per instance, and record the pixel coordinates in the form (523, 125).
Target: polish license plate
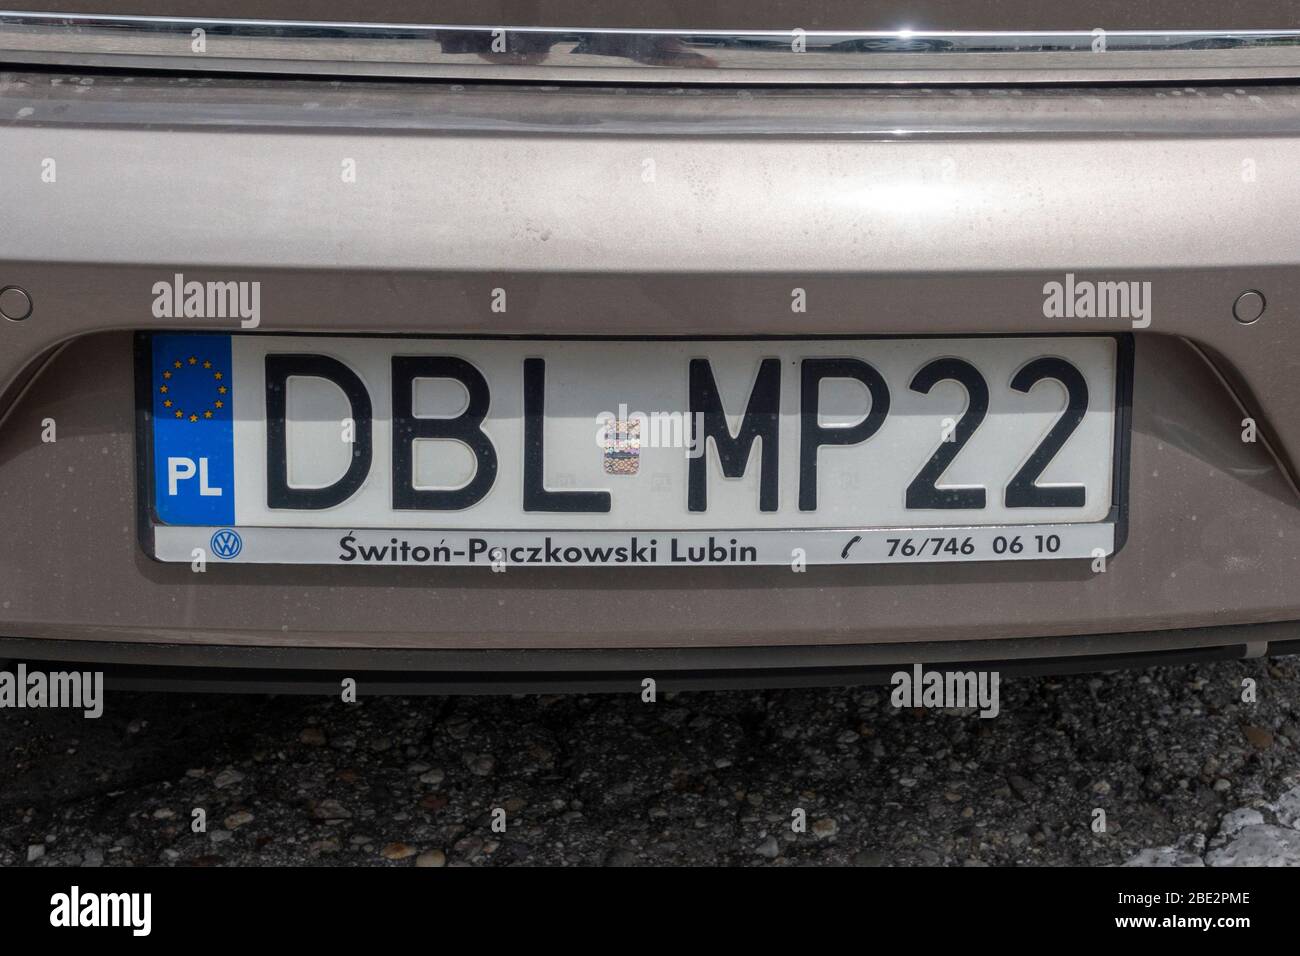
(560, 453)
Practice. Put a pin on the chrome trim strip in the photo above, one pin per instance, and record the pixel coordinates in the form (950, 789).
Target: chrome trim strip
(487, 52)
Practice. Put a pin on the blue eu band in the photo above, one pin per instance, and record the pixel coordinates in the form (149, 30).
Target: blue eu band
(192, 387)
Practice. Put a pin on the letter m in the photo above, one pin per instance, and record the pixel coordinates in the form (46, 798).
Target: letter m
(761, 420)
(223, 300)
(667, 430)
(1112, 300)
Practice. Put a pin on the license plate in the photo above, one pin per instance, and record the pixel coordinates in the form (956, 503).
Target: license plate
(558, 453)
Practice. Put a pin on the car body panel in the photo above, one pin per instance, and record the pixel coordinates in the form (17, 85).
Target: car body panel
(898, 212)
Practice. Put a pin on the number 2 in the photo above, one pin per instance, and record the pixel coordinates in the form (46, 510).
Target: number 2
(922, 493)
(1023, 490)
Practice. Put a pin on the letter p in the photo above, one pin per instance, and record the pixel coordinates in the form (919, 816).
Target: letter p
(178, 469)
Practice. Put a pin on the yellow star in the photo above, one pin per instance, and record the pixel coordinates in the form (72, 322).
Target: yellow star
(194, 418)
(193, 360)
(219, 404)
(207, 364)
(167, 404)
(179, 413)
(177, 363)
(167, 374)
(217, 375)
(207, 414)
(163, 389)
(222, 390)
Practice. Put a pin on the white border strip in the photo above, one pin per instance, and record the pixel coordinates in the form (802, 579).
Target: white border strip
(509, 549)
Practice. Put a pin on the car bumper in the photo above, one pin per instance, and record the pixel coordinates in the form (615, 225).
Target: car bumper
(656, 212)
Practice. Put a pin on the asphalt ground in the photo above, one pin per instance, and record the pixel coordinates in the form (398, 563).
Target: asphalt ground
(1167, 765)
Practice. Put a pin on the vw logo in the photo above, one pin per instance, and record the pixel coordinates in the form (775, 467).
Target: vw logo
(227, 544)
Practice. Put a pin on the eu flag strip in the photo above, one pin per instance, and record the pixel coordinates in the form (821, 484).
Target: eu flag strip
(193, 429)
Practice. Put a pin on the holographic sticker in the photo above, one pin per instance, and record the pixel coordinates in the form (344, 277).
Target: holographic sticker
(622, 446)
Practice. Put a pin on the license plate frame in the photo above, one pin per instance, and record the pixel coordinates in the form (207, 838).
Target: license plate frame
(821, 546)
